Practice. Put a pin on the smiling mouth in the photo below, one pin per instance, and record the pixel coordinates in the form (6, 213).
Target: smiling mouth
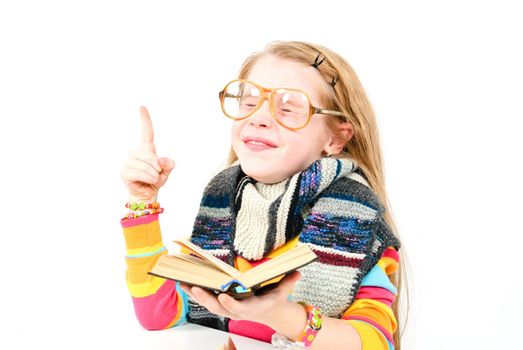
(258, 145)
(258, 141)
(253, 142)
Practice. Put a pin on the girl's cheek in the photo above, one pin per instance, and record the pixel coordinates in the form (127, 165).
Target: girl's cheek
(237, 128)
(235, 133)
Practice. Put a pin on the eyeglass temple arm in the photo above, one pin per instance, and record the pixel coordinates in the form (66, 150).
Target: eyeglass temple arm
(327, 111)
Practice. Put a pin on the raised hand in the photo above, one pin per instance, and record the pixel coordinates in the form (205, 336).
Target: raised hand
(144, 173)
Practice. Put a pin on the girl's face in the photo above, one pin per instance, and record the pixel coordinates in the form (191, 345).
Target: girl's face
(267, 151)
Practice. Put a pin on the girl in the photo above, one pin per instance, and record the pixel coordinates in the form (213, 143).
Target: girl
(305, 167)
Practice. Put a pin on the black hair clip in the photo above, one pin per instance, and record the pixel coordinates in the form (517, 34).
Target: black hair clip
(334, 81)
(316, 62)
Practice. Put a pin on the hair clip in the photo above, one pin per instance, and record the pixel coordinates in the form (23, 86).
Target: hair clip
(334, 81)
(316, 62)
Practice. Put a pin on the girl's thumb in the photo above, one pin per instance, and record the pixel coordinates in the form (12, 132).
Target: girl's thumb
(167, 165)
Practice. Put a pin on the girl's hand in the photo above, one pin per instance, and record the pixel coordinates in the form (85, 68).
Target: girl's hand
(144, 173)
(258, 308)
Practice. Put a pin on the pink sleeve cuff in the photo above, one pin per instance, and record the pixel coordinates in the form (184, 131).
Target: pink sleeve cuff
(146, 219)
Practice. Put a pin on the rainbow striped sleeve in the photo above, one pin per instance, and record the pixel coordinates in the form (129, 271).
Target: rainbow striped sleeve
(371, 312)
(158, 303)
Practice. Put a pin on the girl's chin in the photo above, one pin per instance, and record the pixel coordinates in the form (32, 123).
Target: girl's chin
(262, 173)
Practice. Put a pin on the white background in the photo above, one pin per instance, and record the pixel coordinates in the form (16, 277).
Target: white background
(445, 80)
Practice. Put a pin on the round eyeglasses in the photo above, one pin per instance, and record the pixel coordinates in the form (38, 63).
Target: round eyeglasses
(291, 108)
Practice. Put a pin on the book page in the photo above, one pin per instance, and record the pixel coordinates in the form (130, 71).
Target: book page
(197, 272)
(288, 261)
(228, 269)
(211, 272)
(196, 260)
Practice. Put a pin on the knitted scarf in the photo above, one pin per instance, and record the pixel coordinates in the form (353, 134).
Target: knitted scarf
(329, 205)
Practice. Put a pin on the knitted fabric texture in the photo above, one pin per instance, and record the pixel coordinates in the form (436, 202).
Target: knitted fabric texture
(329, 205)
(261, 220)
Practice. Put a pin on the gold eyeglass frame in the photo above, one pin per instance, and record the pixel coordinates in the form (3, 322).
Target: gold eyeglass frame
(266, 94)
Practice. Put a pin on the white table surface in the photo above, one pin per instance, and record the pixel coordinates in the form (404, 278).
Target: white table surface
(191, 336)
(187, 336)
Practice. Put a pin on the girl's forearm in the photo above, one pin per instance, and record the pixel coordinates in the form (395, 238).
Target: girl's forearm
(334, 333)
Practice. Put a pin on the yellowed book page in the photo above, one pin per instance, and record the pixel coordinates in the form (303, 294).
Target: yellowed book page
(281, 259)
(287, 260)
(260, 276)
(182, 270)
(279, 265)
(196, 260)
(172, 265)
(228, 269)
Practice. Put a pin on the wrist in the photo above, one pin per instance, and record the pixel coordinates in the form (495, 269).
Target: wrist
(282, 339)
(133, 199)
(289, 320)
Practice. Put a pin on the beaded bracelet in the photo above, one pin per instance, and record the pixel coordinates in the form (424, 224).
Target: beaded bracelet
(305, 340)
(135, 215)
(141, 209)
(314, 323)
(142, 205)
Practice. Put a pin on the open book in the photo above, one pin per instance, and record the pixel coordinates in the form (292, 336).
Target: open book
(207, 271)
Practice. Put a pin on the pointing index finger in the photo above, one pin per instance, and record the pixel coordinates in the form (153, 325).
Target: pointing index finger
(147, 130)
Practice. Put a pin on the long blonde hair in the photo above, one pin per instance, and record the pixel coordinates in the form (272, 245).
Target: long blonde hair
(347, 96)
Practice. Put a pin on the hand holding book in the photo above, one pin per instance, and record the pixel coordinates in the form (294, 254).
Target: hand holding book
(265, 308)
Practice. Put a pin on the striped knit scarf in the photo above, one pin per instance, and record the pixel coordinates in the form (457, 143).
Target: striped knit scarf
(329, 205)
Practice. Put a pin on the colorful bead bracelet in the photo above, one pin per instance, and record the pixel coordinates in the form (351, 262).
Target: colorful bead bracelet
(314, 323)
(138, 214)
(141, 209)
(142, 205)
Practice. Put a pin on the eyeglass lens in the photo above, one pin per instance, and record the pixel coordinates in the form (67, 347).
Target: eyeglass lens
(290, 107)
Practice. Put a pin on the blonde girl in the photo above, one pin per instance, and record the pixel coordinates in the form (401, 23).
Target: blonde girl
(305, 167)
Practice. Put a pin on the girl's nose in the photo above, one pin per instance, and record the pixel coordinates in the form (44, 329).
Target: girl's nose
(262, 117)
